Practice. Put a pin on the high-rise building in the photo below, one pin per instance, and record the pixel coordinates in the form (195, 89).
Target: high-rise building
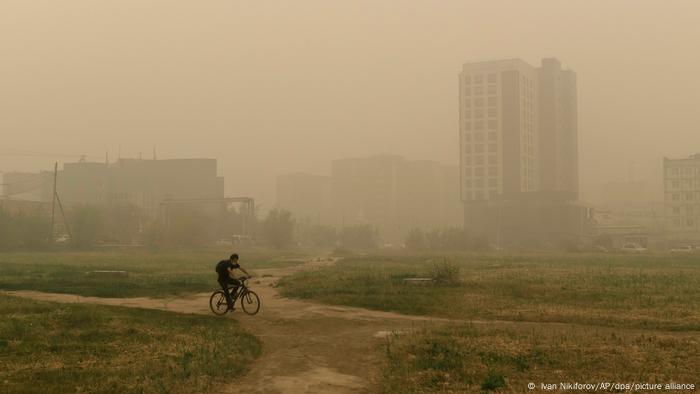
(682, 197)
(518, 148)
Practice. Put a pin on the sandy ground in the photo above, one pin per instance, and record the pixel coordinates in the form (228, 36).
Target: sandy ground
(308, 347)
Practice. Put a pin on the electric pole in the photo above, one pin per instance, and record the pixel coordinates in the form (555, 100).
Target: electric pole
(53, 201)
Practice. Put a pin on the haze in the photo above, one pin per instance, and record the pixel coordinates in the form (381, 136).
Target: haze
(278, 86)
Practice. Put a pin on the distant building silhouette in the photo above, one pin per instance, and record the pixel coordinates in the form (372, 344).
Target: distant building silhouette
(395, 195)
(306, 196)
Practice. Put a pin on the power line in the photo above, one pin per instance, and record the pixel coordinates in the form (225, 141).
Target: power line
(29, 153)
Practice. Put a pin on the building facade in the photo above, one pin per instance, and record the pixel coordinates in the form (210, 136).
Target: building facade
(519, 149)
(682, 197)
(395, 195)
(306, 196)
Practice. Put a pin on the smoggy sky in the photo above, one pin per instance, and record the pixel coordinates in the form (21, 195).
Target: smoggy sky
(279, 86)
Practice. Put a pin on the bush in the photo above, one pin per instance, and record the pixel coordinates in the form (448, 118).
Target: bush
(446, 274)
(493, 381)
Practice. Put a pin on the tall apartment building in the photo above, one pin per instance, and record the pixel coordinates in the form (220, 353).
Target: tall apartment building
(518, 148)
(682, 197)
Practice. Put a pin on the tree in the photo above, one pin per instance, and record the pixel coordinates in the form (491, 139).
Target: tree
(32, 229)
(278, 228)
(322, 236)
(359, 237)
(415, 240)
(8, 231)
(86, 224)
(189, 226)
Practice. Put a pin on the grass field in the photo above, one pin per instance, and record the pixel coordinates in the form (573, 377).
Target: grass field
(506, 357)
(57, 348)
(630, 291)
(160, 274)
(546, 318)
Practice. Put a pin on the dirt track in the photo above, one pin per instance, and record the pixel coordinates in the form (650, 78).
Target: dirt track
(308, 347)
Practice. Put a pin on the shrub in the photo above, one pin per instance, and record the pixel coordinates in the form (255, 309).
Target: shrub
(446, 273)
(493, 381)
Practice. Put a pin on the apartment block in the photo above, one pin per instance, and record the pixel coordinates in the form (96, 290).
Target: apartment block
(682, 197)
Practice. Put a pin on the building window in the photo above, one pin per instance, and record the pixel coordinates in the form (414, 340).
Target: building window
(467, 126)
(492, 135)
(690, 223)
(467, 80)
(479, 113)
(479, 102)
(479, 148)
(479, 90)
(493, 182)
(467, 114)
(493, 124)
(493, 160)
(493, 112)
(676, 197)
(467, 91)
(479, 125)
(492, 101)
(492, 78)
(479, 162)
(479, 79)
(467, 103)
(467, 171)
(467, 160)
(479, 137)
(688, 196)
(468, 183)
(493, 148)
(479, 182)
(675, 185)
(676, 210)
(479, 195)
(492, 89)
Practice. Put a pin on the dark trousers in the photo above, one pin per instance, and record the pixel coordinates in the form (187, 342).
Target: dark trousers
(224, 283)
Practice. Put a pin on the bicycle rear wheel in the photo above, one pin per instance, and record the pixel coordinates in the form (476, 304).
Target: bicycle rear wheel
(250, 302)
(218, 304)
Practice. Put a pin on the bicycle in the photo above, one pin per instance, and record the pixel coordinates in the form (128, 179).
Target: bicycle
(250, 302)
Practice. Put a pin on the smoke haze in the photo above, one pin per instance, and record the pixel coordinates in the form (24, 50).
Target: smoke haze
(278, 86)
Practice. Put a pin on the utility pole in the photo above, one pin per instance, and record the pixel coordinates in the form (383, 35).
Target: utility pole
(53, 201)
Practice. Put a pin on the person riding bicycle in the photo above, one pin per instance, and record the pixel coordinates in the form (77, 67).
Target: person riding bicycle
(226, 277)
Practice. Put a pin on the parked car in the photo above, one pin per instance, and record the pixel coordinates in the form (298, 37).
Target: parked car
(224, 242)
(633, 248)
(62, 239)
(685, 249)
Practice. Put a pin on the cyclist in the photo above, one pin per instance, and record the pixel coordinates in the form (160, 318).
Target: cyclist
(226, 277)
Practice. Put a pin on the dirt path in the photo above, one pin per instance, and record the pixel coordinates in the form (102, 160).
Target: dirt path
(308, 347)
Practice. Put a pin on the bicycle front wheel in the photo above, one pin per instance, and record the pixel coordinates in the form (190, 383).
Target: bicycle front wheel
(250, 302)
(218, 304)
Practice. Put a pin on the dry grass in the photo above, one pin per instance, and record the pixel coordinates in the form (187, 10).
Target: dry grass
(56, 348)
(470, 358)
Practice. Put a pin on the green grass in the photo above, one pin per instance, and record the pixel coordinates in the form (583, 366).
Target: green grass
(654, 292)
(152, 274)
(56, 348)
(545, 318)
(506, 357)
